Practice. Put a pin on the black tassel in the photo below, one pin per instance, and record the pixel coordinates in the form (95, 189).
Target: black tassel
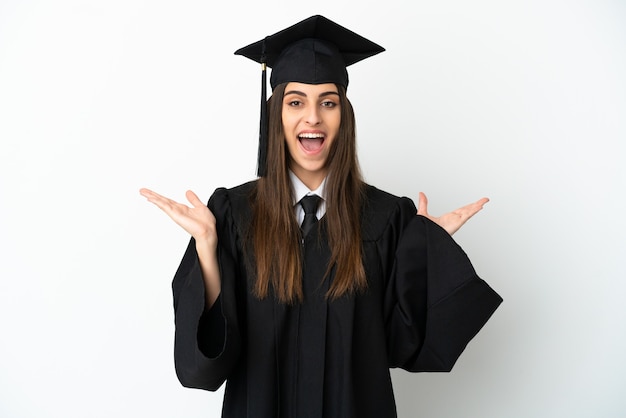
(263, 128)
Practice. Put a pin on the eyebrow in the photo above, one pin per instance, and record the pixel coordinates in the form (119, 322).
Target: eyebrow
(300, 93)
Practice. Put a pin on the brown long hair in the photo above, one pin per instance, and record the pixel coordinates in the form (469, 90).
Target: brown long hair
(274, 232)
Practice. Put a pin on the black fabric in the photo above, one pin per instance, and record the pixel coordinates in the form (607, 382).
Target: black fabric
(423, 304)
(309, 205)
(315, 50)
(309, 400)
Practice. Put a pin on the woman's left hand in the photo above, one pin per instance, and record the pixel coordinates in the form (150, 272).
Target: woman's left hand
(454, 220)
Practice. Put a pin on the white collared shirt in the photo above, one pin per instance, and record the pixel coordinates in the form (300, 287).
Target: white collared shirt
(300, 190)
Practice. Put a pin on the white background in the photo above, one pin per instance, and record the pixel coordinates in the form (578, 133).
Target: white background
(520, 101)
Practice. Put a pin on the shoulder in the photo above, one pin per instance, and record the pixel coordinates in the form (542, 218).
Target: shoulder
(233, 196)
(382, 210)
(380, 200)
(237, 192)
(233, 204)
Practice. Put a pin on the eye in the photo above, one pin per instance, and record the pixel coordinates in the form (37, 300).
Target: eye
(294, 103)
(329, 104)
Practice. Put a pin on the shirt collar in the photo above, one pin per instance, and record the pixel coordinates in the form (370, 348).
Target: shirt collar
(300, 189)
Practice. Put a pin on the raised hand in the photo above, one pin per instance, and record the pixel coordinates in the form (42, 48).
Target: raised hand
(197, 220)
(200, 223)
(454, 220)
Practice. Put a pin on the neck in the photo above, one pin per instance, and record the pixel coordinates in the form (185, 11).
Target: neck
(312, 180)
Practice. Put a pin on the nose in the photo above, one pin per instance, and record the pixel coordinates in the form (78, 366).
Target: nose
(313, 116)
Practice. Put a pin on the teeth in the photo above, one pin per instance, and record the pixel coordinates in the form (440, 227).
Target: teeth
(311, 135)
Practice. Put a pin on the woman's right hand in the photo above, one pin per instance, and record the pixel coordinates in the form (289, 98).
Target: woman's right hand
(197, 220)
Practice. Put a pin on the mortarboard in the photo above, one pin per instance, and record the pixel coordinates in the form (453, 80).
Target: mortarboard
(313, 51)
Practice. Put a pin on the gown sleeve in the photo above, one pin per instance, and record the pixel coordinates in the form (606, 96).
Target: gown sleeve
(207, 342)
(435, 301)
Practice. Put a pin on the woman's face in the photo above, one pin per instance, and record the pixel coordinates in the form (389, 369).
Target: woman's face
(311, 117)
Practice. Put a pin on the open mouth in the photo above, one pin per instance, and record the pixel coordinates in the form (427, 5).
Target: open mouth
(311, 142)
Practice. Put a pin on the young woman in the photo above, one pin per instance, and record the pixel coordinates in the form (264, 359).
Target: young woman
(306, 321)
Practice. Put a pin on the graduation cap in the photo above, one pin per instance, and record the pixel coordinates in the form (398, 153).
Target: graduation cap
(313, 51)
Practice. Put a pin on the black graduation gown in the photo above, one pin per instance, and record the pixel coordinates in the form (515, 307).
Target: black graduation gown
(423, 304)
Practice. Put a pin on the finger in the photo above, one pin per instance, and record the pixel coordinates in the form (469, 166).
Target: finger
(478, 205)
(193, 199)
(146, 192)
(165, 204)
(422, 205)
(152, 195)
(466, 212)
